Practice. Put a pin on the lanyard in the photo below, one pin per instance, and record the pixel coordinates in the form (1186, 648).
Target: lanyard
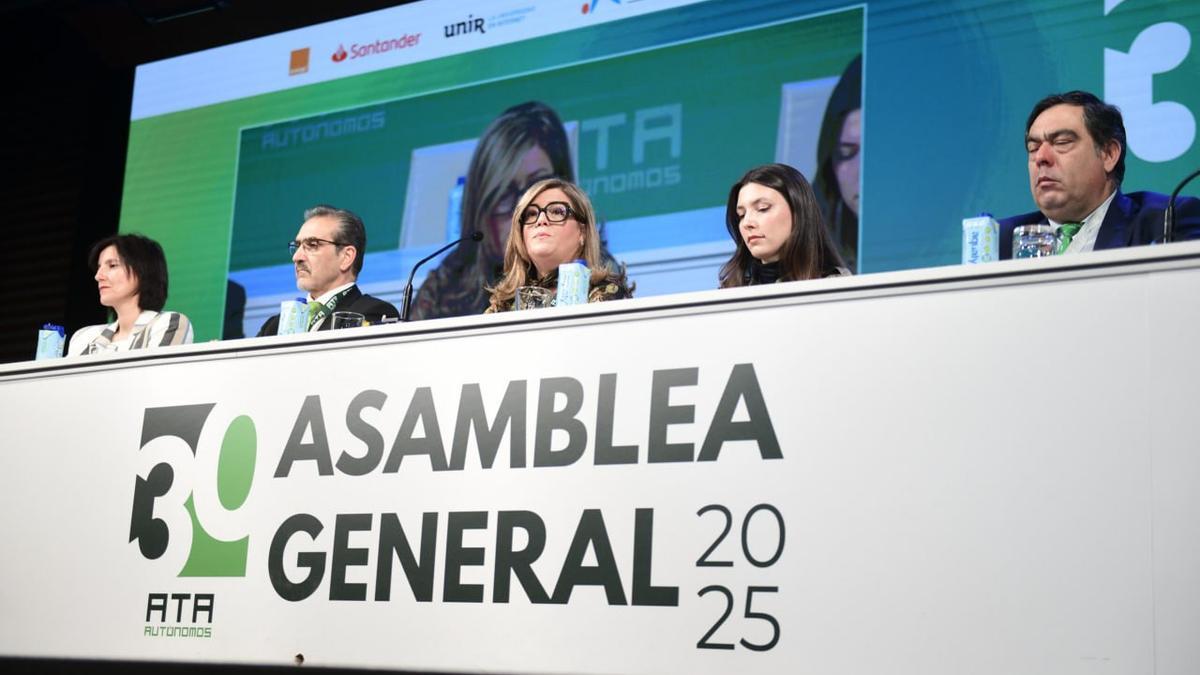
(318, 311)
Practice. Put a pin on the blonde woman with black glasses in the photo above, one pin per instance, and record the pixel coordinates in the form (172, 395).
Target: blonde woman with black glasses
(554, 223)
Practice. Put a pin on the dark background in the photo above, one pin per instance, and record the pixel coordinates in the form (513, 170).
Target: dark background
(68, 80)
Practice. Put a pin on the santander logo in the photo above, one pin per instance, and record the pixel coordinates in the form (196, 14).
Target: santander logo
(380, 46)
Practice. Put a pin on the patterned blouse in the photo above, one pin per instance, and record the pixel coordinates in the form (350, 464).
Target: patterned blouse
(613, 287)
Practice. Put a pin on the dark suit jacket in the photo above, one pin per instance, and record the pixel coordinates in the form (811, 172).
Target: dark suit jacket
(1133, 219)
(372, 308)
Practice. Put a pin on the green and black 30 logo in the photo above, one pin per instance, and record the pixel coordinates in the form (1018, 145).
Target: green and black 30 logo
(208, 556)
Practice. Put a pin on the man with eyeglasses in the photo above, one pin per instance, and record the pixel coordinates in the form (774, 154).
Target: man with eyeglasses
(328, 255)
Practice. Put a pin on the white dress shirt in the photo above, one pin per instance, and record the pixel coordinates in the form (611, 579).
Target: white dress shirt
(324, 298)
(1085, 239)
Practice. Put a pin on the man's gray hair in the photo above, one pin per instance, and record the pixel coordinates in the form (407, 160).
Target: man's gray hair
(351, 230)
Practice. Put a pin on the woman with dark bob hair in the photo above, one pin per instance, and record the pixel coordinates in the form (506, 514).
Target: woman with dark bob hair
(773, 217)
(131, 275)
(554, 223)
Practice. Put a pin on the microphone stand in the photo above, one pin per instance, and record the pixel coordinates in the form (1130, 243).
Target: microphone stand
(406, 305)
(1169, 216)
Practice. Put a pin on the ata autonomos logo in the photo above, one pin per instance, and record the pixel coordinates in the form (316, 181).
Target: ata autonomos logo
(179, 511)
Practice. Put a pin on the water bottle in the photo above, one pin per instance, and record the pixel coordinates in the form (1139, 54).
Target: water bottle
(981, 237)
(454, 210)
(50, 342)
(293, 317)
(573, 283)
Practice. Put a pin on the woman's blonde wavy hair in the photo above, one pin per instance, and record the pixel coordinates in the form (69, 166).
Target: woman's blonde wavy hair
(519, 270)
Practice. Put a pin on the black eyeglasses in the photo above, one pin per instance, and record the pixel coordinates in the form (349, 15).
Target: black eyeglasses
(556, 213)
(311, 244)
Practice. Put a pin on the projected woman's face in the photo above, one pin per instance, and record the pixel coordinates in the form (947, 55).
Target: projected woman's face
(847, 158)
(116, 283)
(534, 166)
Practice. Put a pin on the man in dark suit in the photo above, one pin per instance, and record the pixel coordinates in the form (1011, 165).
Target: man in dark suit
(328, 255)
(1076, 145)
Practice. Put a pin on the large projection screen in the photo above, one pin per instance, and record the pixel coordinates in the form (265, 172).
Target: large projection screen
(665, 104)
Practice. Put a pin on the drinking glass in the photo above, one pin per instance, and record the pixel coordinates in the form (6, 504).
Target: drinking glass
(347, 320)
(534, 297)
(1034, 241)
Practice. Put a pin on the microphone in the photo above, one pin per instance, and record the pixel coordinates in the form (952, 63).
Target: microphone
(1169, 216)
(408, 289)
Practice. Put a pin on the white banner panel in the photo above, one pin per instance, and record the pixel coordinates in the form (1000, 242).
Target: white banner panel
(986, 470)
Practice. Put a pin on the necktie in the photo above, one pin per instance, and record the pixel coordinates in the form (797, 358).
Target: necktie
(314, 312)
(1066, 232)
